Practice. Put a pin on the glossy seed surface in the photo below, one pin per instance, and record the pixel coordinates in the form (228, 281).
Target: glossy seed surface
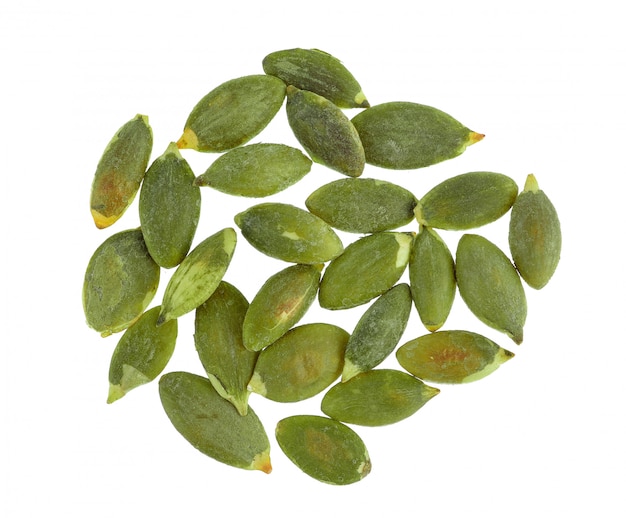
(324, 449)
(451, 356)
(212, 425)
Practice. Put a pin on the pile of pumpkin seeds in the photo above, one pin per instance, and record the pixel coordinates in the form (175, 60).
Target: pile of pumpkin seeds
(258, 346)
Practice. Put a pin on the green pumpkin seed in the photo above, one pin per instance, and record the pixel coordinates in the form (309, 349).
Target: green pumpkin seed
(141, 354)
(534, 235)
(467, 201)
(490, 286)
(120, 171)
(324, 449)
(405, 135)
(378, 331)
(198, 275)
(301, 363)
(325, 132)
(256, 170)
(432, 278)
(120, 282)
(169, 208)
(289, 233)
(212, 425)
(376, 398)
(362, 205)
(280, 303)
(367, 268)
(219, 343)
(319, 72)
(451, 357)
(233, 113)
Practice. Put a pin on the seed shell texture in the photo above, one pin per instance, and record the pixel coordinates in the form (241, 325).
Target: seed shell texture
(198, 275)
(319, 72)
(534, 235)
(212, 425)
(280, 303)
(325, 132)
(219, 343)
(233, 113)
(256, 170)
(466, 201)
(432, 278)
(300, 364)
(120, 282)
(451, 357)
(366, 269)
(169, 208)
(491, 286)
(324, 449)
(376, 398)
(406, 135)
(363, 205)
(289, 233)
(120, 171)
(378, 331)
(141, 354)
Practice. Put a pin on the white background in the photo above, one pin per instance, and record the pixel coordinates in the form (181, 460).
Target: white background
(542, 436)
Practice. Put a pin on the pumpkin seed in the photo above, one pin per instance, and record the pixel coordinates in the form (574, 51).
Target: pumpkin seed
(212, 425)
(451, 356)
(406, 135)
(120, 171)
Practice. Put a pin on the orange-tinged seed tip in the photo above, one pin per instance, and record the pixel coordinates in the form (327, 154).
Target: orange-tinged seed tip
(262, 462)
(475, 137)
(189, 140)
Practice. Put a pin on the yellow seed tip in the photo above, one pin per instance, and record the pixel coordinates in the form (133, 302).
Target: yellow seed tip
(475, 137)
(189, 140)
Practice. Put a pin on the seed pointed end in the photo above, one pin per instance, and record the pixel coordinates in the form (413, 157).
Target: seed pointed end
(262, 462)
(115, 392)
(189, 140)
(474, 137)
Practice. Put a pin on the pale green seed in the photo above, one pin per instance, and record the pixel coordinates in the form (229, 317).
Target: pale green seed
(451, 356)
(256, 170)
(469, 200)
(120, 282)
(376, 398)
(405, 135)
(212, 425)
(169, 208)
(289, 233)
(300, 364)
(534, 235)
(324, 449)
(142, 353)
(491, 286)
(362, 205)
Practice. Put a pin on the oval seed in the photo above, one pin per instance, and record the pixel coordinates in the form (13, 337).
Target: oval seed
(280, 303)
(490, 286)
(362, 205)
(325, 132)
(319, 72)
(301, 363)
(141, 354)
(289, 233)
(219, 342)
(376, 398)
(232, 113)
(432, 278)
(534, 235)
(256, 170)
(467, 201)
(405, 135)
(198, 275)
(120, 171)
(366, 269)
(324, 449)
(378, 331)
(212, 425)
(451, 357)
(120, 282)
(169, 208)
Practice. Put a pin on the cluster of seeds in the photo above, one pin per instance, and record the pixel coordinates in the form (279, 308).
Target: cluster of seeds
(257, 346)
